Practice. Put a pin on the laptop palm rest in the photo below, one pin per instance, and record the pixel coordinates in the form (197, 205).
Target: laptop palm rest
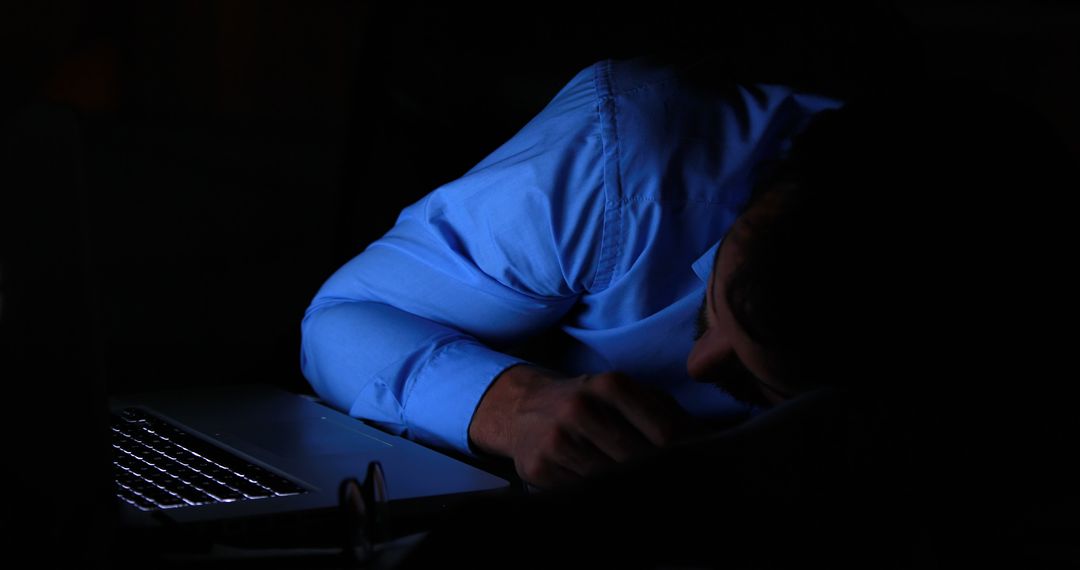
(309, 443)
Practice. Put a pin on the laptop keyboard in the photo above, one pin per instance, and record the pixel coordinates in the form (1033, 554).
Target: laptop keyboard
(159, 466)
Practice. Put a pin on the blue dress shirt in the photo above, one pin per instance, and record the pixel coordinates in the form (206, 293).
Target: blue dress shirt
(600, 217)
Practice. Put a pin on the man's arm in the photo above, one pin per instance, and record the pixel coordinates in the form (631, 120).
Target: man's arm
(407, 374)
(555, 428)
(407, 334)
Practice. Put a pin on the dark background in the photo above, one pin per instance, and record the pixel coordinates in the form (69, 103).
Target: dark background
(177, 179)
(184, 175)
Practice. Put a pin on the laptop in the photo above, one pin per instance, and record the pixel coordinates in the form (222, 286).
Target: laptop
(242, 461)
(267, 463)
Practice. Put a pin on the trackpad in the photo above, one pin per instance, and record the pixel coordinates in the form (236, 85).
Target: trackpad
(309, 436)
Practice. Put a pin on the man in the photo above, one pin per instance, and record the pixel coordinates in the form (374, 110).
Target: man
(600, 221)
(878, 290)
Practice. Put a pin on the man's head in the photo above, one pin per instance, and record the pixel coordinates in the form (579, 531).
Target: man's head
(874, 248)
(724, 351)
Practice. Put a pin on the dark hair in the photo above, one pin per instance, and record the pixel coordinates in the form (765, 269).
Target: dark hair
(894, 216)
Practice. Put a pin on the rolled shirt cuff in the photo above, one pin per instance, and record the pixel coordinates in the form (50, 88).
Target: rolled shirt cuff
(448, 389)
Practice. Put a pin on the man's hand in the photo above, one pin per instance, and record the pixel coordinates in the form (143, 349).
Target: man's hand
(559, 429)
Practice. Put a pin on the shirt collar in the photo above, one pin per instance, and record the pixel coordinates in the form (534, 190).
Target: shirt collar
(704, 264)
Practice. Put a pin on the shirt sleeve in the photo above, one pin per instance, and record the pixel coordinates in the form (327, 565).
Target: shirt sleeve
(408, 333)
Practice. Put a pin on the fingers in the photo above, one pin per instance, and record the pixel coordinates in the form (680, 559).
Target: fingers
(547, 475)
(561, 458)
(654, 414)
(606, 430)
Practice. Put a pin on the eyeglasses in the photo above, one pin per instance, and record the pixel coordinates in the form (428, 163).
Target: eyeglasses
(363, 510)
